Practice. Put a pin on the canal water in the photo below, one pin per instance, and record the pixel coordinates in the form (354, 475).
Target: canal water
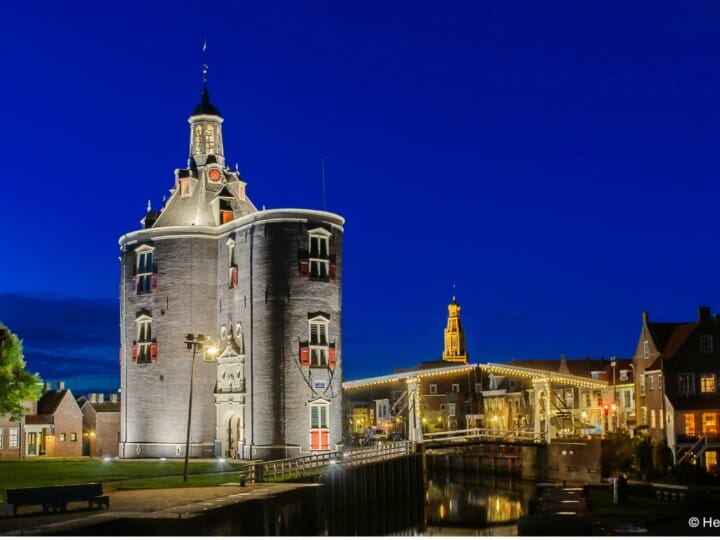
(474, 504)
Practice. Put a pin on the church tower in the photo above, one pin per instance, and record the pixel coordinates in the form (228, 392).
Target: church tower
(266, 285)
(454, 336)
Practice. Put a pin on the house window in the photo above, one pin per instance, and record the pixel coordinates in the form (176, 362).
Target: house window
(623, 375)
(451, 409)
(569, 398)
(661, 420)
(185, 188)
(226, 211)
(319, 426)
(689, 419)
(433, 388)
(642, 384)
(646, 349)
(707, 383)
(710, 423)
(512, 385)
(319, 254)
(73, 437)
(146, 278)
(144, 348)
(652, 418)
(643, 416)
(686, 383)
(587, 400)
(627, 402)
(456, 388)
(62, 437)
(2, 438)
(651, 385)
(13, 437)
(706, 344)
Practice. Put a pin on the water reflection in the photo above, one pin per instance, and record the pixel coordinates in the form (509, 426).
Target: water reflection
(474, 501)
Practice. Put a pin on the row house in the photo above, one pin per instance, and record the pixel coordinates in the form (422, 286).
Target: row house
(52, 427)
(677, 366)
(101, 424)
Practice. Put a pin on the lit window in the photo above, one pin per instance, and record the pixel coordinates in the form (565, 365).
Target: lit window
(652, 418)
(642, 384)
(433, 388)
(623, 375)
(62, 437)
(710, 423)
(643, 416)
(689, 420)
(451, 409)
(707, 383)
(706, 344)
(686, 383)
(73, 437)
(13, 438)
(646, 349)
(146, 278)
(627, 402)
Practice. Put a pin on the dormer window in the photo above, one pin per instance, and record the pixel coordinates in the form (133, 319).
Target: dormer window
(226, 211)
(623, 374)
(146, 277)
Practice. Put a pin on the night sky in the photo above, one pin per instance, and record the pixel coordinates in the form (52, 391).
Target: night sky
(557, 161)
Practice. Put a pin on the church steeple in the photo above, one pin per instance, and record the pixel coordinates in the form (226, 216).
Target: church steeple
(206, 145)
(454, 336)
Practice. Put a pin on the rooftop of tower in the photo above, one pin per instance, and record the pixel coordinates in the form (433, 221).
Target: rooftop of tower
(205, 107)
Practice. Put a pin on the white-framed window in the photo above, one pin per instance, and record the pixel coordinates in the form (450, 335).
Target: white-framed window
(145, 275)
(652, 418)
(433, 388)
(455, 388)
(319, 253)
(2, 438)
(707, 383)
(642, 384)
(143, 349)
(643, 416)
(627, 401)
(62, 437)
(13, 437)
(686, 383)
(452, 409)
(623, 374)
(706, 344)
(646, 349)
(319, 425)
(319, 341)
(73, 437)
(650, 382)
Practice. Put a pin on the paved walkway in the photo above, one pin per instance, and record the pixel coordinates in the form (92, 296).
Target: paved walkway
(146, 502)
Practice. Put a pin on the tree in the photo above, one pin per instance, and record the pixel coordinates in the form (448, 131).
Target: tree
(16, 384)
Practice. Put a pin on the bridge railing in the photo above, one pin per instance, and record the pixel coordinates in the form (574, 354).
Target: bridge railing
(312, 464)
(486, 434)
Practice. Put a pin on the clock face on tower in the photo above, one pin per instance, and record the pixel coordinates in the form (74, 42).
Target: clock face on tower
(214, 175)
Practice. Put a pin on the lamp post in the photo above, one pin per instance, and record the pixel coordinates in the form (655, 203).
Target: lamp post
(193, 341)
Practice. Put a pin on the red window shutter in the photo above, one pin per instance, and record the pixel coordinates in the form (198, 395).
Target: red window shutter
(154, 282)
(331, 356)
(234, 276)
(304, 267)
(134, 284)
(332, 271)
(304, 355)
(134, 353)
(153, 352)
(226, 216)
(314, 440)
(324, 440)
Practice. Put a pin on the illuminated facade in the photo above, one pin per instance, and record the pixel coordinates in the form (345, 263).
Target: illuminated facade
(266, 285)
(454, 336)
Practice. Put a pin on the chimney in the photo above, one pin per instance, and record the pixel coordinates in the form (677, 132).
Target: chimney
(113, 398)
(46, 387)
(61, 385)
(92, 397)
(703, 313)
(100, 397)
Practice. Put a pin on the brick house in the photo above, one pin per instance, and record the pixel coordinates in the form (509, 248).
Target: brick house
(12, 434)
(101, 424)
(56, 429)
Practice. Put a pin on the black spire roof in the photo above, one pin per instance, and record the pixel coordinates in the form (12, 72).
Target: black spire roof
(205, 107)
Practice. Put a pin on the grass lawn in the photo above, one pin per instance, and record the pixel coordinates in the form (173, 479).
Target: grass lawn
(637, 509)
(115, 474)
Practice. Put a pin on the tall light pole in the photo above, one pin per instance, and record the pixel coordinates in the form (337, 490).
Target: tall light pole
(193, 341)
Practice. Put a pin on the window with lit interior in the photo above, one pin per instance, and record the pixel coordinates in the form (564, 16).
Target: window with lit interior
(707, 383)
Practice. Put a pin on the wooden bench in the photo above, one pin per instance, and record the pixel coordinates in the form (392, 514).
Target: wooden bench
(56, 498)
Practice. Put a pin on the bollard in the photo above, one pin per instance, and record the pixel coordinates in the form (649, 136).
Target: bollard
(619, 490)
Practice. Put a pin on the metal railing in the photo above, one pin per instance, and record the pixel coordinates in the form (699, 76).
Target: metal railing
(314, 464)
(485, 434)
(694, 451)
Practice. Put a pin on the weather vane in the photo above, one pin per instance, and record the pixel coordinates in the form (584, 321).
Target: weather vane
(205, 65)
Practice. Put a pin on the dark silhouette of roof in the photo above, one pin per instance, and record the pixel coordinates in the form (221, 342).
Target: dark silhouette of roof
(50, 401)
(205, 107)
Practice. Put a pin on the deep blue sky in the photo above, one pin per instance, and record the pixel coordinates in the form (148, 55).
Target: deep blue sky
(558, 161)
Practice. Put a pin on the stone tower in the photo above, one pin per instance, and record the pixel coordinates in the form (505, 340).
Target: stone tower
(266, 285)
(454, 336)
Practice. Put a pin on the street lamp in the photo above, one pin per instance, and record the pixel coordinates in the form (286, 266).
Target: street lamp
(194, 341)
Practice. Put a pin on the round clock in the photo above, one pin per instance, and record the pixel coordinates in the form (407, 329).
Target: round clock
(214, 175)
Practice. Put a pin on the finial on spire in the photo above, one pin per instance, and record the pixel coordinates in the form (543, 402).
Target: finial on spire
(149, 206)
(453, 287)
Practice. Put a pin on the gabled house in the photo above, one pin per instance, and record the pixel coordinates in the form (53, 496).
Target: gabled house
(101, 424)
(56, 429)
(676, 366)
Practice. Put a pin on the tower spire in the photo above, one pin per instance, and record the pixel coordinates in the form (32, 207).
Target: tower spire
(454, 335)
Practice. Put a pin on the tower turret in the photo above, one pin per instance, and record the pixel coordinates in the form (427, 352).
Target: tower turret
(454, 335)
